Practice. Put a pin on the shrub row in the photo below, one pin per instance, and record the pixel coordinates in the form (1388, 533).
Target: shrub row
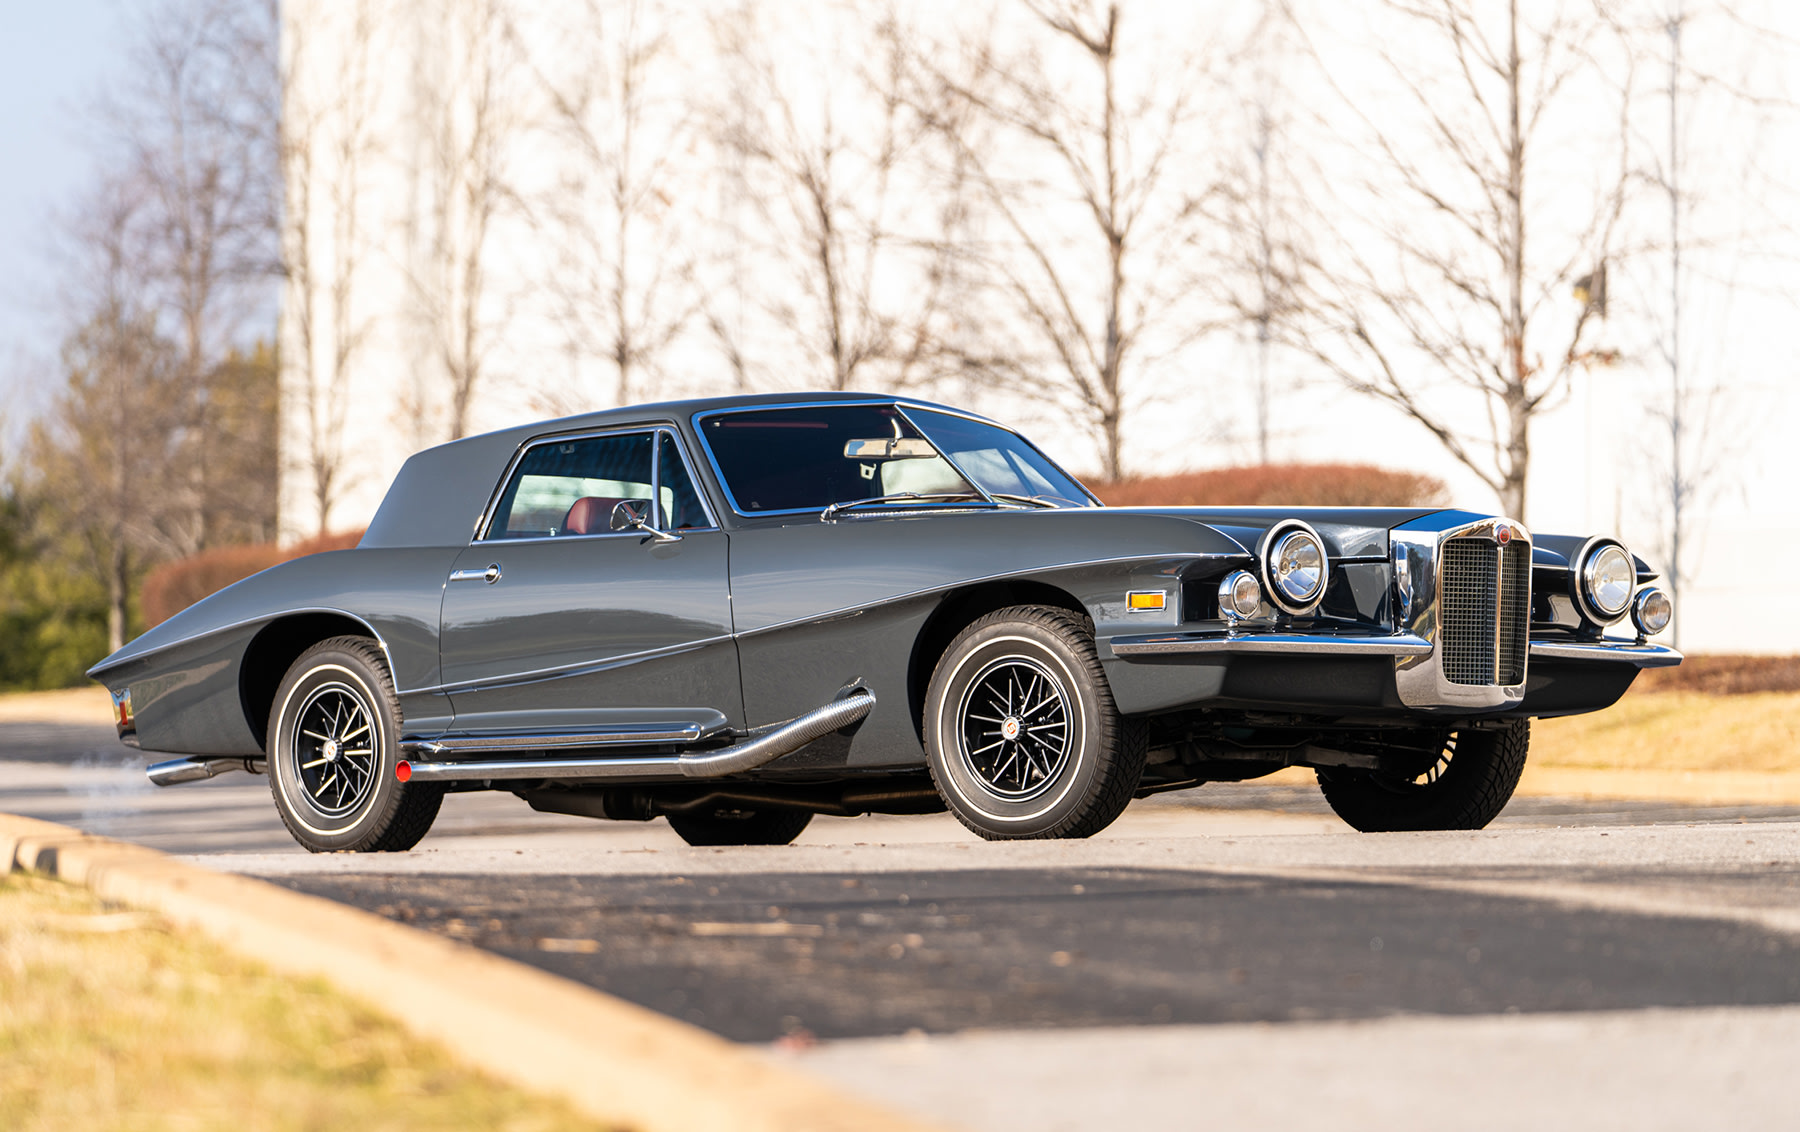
(1725, 675)
(1314, 485)
(173, 587)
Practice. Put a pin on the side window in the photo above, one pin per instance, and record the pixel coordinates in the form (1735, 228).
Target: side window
(680, 502)
(571, 487)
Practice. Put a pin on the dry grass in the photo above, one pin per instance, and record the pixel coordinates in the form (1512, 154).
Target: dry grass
(1681, 731)
(108, 1020)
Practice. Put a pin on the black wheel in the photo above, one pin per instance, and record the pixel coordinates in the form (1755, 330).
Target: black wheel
(740, 827)
(1465, 787)
(333, 742)
(1021, 733)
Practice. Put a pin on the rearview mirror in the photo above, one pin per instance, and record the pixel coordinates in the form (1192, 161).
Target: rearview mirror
(890, 448)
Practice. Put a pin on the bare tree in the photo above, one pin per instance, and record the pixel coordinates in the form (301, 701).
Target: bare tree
(103, 464)
(1718, 211)
(330, 91)
(1087, 194)
(468, 120)
(198, 119)
(827, 162)
(623, 275)
(1463, 320)
(1258, 229)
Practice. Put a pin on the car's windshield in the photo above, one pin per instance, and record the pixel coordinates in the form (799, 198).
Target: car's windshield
(1000, 462)
(808, 459)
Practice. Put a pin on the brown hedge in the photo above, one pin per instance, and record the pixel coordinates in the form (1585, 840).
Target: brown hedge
(1725, 675)
(1316, 485)
(173, 587)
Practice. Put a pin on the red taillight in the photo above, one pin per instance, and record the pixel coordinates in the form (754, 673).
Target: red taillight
(403, 771)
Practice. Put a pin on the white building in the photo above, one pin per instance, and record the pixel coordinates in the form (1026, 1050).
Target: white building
(455, 169)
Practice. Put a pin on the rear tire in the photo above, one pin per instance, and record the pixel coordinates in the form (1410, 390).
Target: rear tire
(1466, 788)
(740, 827)
(334, 734)
(1021, 733)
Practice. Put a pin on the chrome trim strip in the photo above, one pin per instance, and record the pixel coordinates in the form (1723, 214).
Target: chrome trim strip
(736, 759)
(1630, 652)
(1400, 644)
(598, 737)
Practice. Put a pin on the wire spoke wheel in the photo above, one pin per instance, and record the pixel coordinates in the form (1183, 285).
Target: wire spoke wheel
(332, 749)
(1022, 737)
(333, 742)
(1014, 728)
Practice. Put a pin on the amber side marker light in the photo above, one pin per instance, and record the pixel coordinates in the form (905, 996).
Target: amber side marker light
(1150, 601)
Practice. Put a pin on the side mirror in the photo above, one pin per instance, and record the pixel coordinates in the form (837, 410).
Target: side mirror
(630, 515)
(634, 515)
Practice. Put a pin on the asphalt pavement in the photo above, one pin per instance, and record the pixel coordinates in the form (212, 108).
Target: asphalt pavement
(1228, 957)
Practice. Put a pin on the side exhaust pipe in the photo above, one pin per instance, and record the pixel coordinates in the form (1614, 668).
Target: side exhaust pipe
(195, 769)
(735, 759)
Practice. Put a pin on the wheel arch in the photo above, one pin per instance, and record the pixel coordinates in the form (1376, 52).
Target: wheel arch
(957, 611)
(274, 650)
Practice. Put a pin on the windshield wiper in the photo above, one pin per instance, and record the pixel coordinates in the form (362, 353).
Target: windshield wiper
(1030, 500)
(896, 497)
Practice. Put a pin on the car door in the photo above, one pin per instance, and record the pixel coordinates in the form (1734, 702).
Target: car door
(553, 621)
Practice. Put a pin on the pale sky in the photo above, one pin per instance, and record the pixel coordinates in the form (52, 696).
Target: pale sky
(54, 60)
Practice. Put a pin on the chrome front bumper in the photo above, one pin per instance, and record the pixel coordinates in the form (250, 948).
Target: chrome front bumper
(1644, 654)
(1397, 645)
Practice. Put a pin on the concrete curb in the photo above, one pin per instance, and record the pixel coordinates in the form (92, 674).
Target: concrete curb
(612, 1060)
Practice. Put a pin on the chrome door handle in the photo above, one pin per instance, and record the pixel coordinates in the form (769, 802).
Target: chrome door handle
(489, 575)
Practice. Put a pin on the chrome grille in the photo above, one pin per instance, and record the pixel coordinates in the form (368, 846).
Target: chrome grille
(1485, 611)
(1512, 621)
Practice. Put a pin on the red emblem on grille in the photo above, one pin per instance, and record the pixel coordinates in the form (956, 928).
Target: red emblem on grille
(1503, 534)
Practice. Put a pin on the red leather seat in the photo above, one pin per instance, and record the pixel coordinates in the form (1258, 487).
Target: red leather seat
(591, 515)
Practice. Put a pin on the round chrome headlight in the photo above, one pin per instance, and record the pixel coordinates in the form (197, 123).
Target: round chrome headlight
(1652, 611)
(1295, 566)
(1240, 596)
(1608, 578)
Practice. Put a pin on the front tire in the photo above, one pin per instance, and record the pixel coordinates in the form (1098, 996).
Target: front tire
(334, 734)
(1466, 787)
(1021, 733)
(727, 826)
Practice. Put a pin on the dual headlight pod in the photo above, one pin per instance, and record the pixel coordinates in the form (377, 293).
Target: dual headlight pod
(1606, 583)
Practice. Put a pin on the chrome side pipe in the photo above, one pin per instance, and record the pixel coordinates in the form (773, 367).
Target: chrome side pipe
(197, 768)
(735, 759)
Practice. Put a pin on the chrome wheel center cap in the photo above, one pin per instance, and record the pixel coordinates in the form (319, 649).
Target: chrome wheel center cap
(330, 750)
(1009, 728)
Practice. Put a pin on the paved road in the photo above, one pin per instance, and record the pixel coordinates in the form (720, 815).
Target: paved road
(1229, 957)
